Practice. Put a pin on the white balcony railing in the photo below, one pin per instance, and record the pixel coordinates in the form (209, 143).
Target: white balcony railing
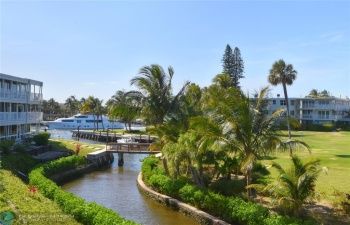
(20, 117)
(19, 95)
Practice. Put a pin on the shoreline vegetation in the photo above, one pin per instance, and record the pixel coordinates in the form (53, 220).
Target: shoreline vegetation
(332, 148)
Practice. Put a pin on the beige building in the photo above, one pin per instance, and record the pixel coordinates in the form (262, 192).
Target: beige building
(20, 106)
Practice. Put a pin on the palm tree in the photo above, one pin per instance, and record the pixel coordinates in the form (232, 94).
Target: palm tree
(93, 106)
(296, 185)
(124, 106)
(313, 94)
(72, 104)
(223, 80)
(239, 126)
(282, 73)
(156, 91)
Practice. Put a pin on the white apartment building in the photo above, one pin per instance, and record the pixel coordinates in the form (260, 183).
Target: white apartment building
(20, 106)
(321, 110)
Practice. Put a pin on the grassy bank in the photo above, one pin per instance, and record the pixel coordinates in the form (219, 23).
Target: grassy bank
(333, 149)
(28, 207)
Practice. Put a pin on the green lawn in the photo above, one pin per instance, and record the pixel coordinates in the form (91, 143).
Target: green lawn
(333, 149)
(26, 206)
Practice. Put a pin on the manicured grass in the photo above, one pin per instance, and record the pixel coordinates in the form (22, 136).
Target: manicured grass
(333, 149)
(29, 207)
(64, 145)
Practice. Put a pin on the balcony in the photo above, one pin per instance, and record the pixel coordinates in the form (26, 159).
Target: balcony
(15, 118)
(19, 96)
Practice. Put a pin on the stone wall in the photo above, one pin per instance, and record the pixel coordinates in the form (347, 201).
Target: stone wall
(196, 214)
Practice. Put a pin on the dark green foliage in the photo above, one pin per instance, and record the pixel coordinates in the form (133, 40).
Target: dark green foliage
(6, 146)
(233, 64)
(317, 127)
(42, 138)
(228, 187)
(232, 210)
(84, 212)
(64, 164)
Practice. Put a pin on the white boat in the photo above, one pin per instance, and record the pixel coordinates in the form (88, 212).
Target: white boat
(84, 122)
(127, 139)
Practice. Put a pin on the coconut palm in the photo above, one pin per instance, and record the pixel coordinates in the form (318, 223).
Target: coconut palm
(156, 91)
(72, 104)
(296, 185)
(125, 107)
(282, 73)
(223, 80)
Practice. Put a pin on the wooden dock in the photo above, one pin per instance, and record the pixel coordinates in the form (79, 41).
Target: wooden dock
(134, 148)
(104, 136)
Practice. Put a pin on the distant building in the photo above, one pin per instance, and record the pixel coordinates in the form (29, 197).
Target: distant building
(20, 106)
(321, 110)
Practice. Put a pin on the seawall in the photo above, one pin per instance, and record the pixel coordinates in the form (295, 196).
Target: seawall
(196, 214)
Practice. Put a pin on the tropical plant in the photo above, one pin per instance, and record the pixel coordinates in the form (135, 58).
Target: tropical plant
(125, 107)
(93, 106)
(296, 185)
(156, 93)
(72, 104)
(239, 126)
(282, 73)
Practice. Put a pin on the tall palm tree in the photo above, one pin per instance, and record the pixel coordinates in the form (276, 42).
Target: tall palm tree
(282, 73)
(72, 104)
(93, 106)
(296, 185)
(156, 90)
(125, 107)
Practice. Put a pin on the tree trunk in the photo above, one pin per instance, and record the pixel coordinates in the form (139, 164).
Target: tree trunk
(165, 164)
(288, 125)
(249, 181)
(197, 179)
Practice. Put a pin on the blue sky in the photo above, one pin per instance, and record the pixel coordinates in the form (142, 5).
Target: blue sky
(94, 48)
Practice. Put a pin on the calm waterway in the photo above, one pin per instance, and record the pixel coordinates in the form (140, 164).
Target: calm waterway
(116, 188)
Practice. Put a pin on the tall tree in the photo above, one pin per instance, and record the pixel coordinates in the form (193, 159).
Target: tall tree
(282, 73)
(125, 107)
(238, 67)
(227, 62)
(72, 104)
(156, 91)
(233, 65)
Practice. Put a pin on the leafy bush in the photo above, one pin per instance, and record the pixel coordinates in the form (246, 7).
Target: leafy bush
(317, 127)
(341, 201)
(6, 146)
(228, 187)
(232, 210)
(42, 138)
(83, 212)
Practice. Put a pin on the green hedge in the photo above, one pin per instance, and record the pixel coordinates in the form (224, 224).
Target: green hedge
(42, 138)
(317, 127)
(84, 212)
(232, 210)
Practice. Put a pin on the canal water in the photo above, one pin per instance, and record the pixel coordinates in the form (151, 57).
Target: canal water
(116, 188)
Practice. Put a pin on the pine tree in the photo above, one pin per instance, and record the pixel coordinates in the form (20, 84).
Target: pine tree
(238, 67)
(233, 64)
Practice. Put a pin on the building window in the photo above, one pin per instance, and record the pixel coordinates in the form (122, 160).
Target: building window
(291, 102)
(282, 102)
(292, 112)
(274, 102)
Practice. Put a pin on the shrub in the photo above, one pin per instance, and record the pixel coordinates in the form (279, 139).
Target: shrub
(42, 138)
(83, 212)
(6, 146)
